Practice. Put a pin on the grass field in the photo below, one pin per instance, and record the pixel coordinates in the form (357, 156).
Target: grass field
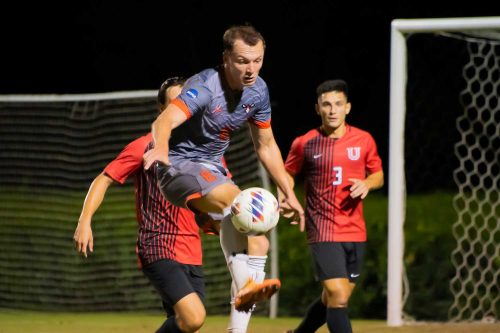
(38, 322)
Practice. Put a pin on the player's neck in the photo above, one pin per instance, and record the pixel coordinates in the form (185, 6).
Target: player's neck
(335, 133)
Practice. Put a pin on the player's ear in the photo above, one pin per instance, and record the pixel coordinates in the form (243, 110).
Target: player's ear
(316, 107)
(348, 108)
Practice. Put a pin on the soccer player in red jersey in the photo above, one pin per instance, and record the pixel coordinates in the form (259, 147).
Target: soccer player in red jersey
(168, 243)
(340, 165)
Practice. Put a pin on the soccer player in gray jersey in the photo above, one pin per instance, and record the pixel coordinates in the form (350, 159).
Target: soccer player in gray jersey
(192, 135)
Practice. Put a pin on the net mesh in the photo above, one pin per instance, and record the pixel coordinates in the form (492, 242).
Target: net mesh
(452, 167)
(475, 285)
(52, 149)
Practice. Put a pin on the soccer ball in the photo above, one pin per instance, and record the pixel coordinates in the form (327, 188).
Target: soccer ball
(254, 211)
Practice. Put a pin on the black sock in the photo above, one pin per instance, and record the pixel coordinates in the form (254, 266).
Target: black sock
(338, 320)
(170, 326)
(315, 317)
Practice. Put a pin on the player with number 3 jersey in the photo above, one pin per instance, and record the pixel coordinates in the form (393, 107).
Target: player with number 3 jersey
(340, 165)
(328, 164)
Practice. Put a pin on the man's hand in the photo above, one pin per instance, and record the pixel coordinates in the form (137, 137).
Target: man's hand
(359, 188)
(292, 209)
(155, 154)
(83, 238)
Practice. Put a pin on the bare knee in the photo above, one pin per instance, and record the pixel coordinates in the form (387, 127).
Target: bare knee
(337, 298)
(191, 323)
(337, 292)
(190, 313)
(258, 245)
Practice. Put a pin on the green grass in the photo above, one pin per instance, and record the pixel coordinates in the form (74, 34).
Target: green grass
(40, 322)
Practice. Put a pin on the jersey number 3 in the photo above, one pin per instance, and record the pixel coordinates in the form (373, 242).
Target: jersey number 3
(337, 170)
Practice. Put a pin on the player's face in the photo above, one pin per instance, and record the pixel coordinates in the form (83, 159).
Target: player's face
(243, 63)
(333, 107)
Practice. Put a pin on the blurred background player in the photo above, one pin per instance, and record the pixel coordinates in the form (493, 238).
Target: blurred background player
(340, 165)
(212, 104)
(168, 243)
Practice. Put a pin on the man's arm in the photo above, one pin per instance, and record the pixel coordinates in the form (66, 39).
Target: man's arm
(284, 208)
(269, 154)
(162, 128)
(361, 187)
(83, 234)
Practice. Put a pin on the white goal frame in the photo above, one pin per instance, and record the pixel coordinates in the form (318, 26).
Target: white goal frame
(397, 191)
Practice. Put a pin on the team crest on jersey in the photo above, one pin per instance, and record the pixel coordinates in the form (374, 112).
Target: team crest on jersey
(354, 153)
(193, 93)
(248, 107)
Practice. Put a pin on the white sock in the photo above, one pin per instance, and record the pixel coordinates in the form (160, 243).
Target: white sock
(234, 245)
(256, 264)
(238, 320)
(238, 268)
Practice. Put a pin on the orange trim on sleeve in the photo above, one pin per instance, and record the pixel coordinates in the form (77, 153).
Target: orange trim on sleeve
(262, 124)
(181, 105)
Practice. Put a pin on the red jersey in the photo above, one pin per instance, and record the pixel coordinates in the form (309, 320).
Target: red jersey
(165, 231)
(327, 164)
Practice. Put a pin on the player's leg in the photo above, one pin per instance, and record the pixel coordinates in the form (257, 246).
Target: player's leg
(314, 318)
(338, 266)
(238, 320)
(205, 188)
(235, 247)
(257, 255)
(315, 315)
(181, 288)
(234, 244)
(338, 291)
(258, 246)
(189, 316)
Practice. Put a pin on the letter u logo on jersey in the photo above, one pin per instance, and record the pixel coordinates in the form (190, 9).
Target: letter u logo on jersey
(354, 153)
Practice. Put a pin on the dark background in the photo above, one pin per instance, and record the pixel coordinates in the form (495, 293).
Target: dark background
(91, 47)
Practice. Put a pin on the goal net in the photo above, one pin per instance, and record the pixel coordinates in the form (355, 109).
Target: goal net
(52, 147)
(444, 172)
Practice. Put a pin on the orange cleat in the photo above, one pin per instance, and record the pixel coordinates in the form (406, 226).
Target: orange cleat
(254, 292)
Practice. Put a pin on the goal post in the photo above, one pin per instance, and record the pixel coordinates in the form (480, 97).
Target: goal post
(400, 30)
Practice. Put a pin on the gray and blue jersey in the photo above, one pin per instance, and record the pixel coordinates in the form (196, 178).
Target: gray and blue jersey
(214, 111)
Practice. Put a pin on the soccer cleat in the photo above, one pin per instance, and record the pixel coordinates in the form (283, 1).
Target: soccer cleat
(254, 292)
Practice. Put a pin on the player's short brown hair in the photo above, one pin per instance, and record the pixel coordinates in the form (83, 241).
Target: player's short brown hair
(246, 32)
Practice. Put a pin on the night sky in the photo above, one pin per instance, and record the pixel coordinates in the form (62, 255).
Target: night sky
(91, 47)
